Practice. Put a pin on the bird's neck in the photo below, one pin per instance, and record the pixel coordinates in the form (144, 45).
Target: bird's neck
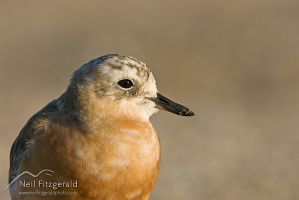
(83, 105)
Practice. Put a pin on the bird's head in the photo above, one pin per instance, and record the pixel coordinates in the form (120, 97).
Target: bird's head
(124, 85)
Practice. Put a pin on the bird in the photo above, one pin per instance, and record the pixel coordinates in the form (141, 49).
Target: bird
(96, 137)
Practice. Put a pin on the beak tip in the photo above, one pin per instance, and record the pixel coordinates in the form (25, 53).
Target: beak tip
(187, 113)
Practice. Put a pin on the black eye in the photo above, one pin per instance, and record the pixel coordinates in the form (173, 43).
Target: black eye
(125, 83)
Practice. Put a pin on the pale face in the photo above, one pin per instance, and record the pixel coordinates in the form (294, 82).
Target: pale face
(128, 85)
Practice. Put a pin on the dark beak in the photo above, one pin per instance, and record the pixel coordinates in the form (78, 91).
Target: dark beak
(168, 105)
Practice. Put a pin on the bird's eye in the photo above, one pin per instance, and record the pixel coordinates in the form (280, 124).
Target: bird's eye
(125, 83)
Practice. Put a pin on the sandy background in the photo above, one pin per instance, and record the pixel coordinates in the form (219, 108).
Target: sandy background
(234, 63)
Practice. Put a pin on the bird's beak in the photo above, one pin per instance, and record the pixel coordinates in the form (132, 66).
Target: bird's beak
(164, 103)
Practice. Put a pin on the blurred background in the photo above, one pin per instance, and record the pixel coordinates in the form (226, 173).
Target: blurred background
(235, 63)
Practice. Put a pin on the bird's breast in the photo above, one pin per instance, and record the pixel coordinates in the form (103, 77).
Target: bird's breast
(125, 157)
